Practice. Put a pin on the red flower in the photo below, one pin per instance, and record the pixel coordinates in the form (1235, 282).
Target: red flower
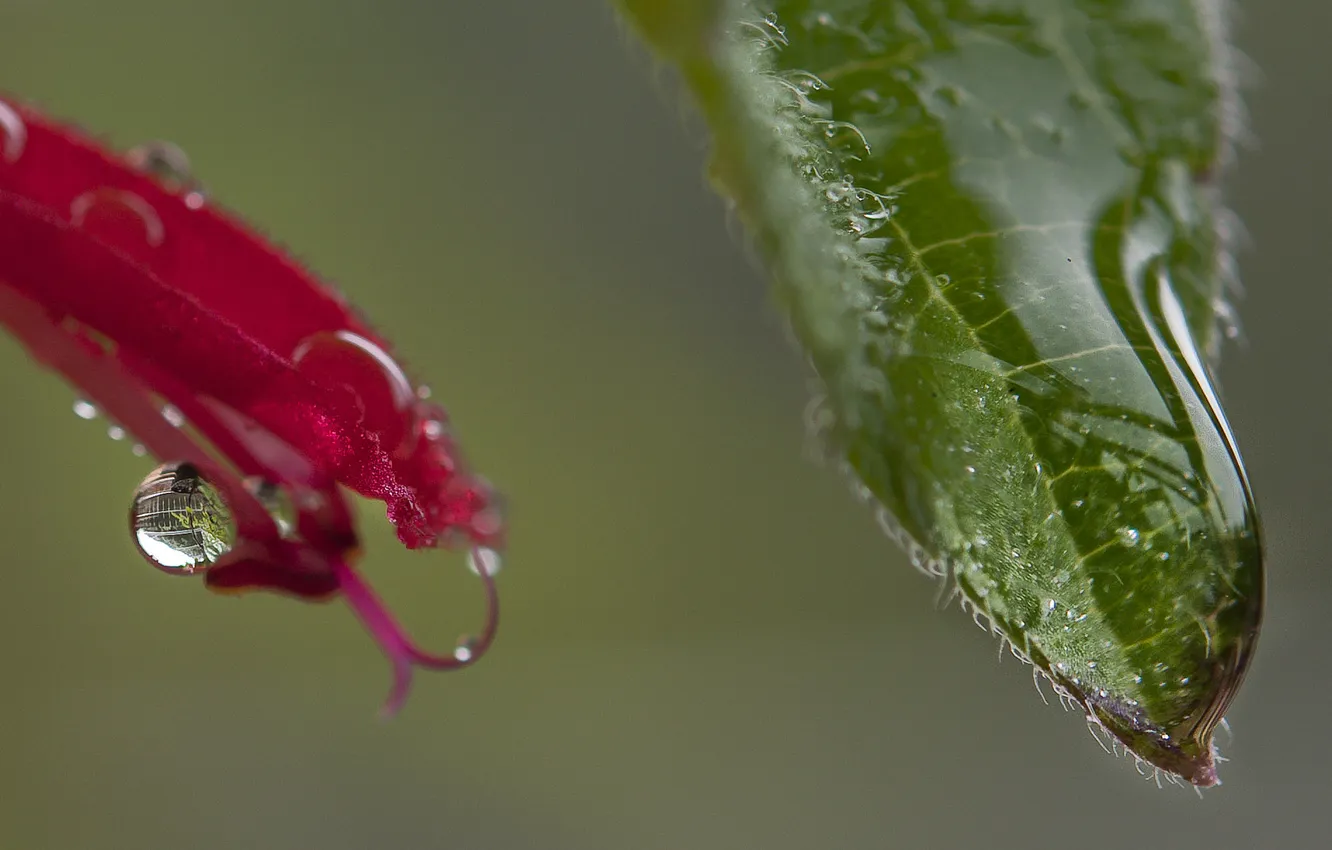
(257, 383)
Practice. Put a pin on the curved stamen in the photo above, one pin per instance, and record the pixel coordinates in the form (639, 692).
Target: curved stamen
(398, 646)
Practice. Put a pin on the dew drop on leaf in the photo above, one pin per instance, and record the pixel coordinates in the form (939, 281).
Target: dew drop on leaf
(179, 521)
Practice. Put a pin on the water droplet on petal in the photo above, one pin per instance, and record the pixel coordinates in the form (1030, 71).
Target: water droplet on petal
(173, 416)
(13, 134)
(276, 501)
(170, 165)
(179, 521)
(85, 409)
(387, 398)
(118, 218)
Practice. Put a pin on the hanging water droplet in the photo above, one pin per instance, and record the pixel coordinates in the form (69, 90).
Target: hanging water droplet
(13, 134)
(179, 521)
(85, 409)
(116, 433)
(465, 650)
(276, 501)
(482, 560)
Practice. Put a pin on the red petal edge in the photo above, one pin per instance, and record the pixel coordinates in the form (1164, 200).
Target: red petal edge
(142, 295)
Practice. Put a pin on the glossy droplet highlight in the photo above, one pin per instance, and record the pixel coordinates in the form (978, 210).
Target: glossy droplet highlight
(179, 521)
(13, 134)
(171, 166)
(482, 560)
(386, 396)
(117, 217)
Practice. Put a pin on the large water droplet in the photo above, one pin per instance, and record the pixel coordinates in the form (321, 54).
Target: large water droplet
(179, 521)
(13, 134)
(387, 398)
(85, 409)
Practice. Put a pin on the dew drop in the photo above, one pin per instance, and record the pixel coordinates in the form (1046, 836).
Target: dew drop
(484, 560)
(116, 433)
(170, 165)
(85, 409)
(387, 398)
(1128, 536)
(118, 217)
(276, 501)
(179, 521)
(138, 450)
(13, 134)
(173, 416)
(465, 650)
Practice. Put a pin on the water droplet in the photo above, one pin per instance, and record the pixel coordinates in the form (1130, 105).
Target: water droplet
(1128, 536)
(13, 134)
(138, 450)
(118, 217)
(179, 521)
(484, 558)
(387, 398)
(1091, 665)
(85, 409)
(170, 165)
(115, 432)
(465, 650)
(173, 416)
(423, 392)
(276, 501)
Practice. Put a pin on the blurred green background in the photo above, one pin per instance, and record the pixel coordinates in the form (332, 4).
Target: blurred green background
(707, 643)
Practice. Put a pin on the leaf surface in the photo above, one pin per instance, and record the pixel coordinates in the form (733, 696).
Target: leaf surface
(997, 232)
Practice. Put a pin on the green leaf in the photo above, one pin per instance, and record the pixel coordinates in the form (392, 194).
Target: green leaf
(996, 230)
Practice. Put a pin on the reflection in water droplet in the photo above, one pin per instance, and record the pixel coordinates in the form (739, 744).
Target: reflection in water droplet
(276, 501)
(179, 521)
(483, 558)
(85, 409)
(13, 134)
(108, 213)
